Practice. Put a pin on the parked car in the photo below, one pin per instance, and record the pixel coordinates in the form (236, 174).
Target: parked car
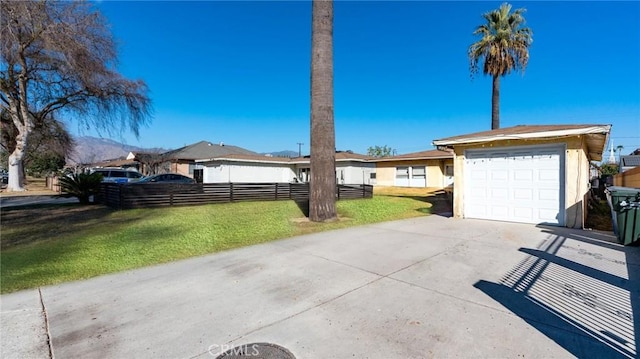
(166, 178)
(118, 175)
(4, 178)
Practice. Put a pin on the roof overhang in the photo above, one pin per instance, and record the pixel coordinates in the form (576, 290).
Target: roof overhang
(597, 137)
(274, 161)
(246, 160)
(417, 158)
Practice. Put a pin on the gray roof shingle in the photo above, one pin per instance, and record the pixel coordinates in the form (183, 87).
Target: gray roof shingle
(630, 161)
(205, 150)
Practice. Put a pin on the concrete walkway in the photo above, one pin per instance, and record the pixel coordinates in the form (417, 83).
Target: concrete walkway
(29, 200)
(418, 288)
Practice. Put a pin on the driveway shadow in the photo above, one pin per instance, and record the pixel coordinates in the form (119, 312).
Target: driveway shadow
(580, 289)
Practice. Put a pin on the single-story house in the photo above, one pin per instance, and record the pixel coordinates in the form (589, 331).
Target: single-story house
(433, 168)
(351, 168)
(531, 174)
(122, 162)
(183, 160)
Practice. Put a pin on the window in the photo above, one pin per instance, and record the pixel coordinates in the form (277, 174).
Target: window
(372, 175)
(402, 172)
(419, 173)
(448, 170)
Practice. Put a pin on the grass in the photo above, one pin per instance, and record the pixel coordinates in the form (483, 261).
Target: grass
(49, 245)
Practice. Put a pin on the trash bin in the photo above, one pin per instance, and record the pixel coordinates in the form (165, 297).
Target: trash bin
(625, 213)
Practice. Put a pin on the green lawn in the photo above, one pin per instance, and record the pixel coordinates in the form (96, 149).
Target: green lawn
(48, 245)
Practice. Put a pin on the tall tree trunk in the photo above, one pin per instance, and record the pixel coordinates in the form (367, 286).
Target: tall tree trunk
(495, 103)
(16, 170)
(24, 124)
(322, 199)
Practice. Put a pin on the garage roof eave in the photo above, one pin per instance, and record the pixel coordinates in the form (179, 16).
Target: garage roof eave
(460, 140)
(597, 136)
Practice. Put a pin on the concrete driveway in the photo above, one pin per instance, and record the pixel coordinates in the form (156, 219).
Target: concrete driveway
(418, 288)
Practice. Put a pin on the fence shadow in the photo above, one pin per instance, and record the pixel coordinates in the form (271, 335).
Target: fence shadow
(578, 288)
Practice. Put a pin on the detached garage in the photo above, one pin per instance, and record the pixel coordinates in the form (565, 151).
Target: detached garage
(528, 174)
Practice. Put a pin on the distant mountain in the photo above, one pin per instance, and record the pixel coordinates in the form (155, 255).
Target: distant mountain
(290, 154)
(92, 149)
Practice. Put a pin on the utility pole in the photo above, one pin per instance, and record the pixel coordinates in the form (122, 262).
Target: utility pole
(300, 148)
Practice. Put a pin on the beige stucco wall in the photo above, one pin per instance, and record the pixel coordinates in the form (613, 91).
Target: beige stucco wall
(576, 173)
(386, 171)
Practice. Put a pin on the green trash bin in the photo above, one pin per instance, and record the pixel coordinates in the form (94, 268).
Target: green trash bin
(625, 213)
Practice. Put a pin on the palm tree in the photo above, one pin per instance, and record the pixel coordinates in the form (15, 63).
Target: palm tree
(322, 200)
(504, 46)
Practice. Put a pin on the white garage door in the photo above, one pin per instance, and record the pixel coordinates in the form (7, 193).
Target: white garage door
(518, 184)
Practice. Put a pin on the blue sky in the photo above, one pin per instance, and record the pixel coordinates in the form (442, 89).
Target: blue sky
(238, 72)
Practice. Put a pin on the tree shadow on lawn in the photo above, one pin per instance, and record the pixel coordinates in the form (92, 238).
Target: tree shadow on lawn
(303, 205)
(36, 223)
(441, 202)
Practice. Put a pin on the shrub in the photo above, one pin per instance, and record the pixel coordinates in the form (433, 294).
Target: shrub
(82, 186)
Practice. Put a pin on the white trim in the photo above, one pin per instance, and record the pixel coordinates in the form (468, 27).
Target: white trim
(290, 162)
(450, 157)
(529, 135)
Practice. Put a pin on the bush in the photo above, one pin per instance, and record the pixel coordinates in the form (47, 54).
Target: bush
(81, 185)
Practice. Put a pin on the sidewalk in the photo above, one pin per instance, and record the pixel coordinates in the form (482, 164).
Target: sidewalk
(418, 288)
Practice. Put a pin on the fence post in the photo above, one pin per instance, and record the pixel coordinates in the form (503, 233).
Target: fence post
(120, 196)
(276, 191)
(364, 193)
(338, 189)
(230, 191)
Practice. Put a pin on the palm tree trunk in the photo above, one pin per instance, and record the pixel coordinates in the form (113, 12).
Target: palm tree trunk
(495, 104)
(322, 206)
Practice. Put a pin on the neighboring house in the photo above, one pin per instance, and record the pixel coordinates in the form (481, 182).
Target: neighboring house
(433, 168)
(629, 162)
(531, 174)
(183, 160)
(351, 168)
(122, 162)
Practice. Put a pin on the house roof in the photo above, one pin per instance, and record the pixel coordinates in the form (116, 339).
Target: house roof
(119, 162)
(340, 156)
(249, 158)
(204, 150)
(630, 161)
(597, 136)
(422, 155)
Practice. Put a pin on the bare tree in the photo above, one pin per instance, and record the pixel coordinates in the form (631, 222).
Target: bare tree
(153, 163)
(48, 139)
(322, 198)
(59, 57)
